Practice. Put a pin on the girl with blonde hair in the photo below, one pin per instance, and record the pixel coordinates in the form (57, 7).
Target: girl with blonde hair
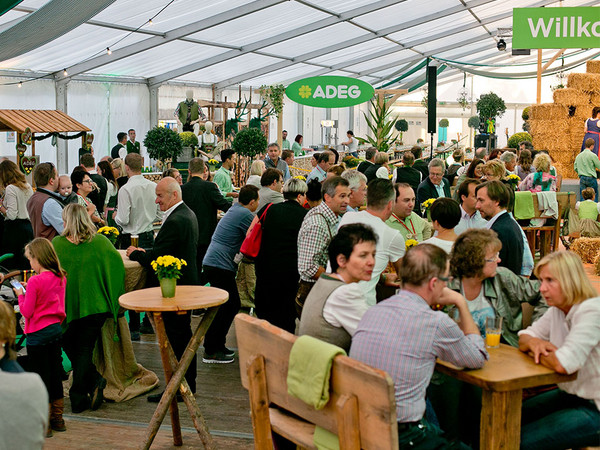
(541, 180)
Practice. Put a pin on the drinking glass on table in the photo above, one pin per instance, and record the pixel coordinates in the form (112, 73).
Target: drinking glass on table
(493, 330)
(135, 240)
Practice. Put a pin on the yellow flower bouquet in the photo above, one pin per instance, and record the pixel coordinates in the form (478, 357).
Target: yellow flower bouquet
(213, 162)
(168, 270)
(427, 203)
(411, 243)
(300, 177)
(110, 232)
(513, 180)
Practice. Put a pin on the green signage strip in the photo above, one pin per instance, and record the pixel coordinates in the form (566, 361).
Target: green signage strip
(330, 91)
(577, 27)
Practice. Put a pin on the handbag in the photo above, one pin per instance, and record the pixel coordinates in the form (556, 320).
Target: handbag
(251, 245)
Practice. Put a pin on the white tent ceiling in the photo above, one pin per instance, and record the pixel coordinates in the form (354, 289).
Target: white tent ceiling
(230, 42)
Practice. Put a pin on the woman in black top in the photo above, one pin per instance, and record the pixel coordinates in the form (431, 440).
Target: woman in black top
(277, 261)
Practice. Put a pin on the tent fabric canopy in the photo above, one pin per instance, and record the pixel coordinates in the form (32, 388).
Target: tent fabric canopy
(230, 42)
(38, 121)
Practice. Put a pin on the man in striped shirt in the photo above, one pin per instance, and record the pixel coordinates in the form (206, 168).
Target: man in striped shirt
(403, 336)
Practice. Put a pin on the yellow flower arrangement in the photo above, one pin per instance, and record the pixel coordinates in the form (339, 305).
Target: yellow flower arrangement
(411, 243)
(213, 162)
(427, 203)
(513, 178)
(110, 232)
(300, 177)
(168, 266)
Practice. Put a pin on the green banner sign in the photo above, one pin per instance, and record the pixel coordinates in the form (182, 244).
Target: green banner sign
(556, 27)
(330, 91)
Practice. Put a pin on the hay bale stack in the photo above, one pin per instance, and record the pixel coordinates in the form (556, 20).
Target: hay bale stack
(547, 111)
(571, 97)
(588, 249)
(587, 82)
(592, 67)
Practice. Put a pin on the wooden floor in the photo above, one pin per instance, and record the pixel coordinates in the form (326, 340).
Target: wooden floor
(222, 400)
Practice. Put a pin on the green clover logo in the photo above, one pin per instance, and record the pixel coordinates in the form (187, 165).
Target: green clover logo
(304, 91)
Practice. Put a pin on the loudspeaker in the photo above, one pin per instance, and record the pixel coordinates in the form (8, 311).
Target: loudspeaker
(431, 98)
(486, 140)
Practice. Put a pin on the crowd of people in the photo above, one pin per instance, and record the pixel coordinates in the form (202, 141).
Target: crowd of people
(359, 258)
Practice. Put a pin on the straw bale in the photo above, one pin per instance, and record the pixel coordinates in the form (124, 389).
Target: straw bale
(597, 265)
(553, 141)
(595, 98)
(544, 127)
(587, 249)
(583, 112)
(571, 97)
(547, 111)
(589, 82)
(592, 66)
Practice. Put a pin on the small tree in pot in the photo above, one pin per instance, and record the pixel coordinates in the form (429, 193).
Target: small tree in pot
(249, 142)
(163, 144)
(402, 126)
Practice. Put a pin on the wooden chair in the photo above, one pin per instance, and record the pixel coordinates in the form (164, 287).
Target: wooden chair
(549, 235)
(361, 409)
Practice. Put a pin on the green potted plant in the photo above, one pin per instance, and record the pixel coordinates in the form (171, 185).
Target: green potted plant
(401, 126)
(249, 142)
(490, 106)
(380, 124)
(163, 144)
(513, 141)
(190, 142)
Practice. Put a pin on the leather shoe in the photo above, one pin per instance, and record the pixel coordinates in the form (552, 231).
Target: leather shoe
(98, 394)
(155, 398)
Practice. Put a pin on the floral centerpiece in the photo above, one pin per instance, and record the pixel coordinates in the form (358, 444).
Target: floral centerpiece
(213, 164)
(111, 233)
(426, 205)
(168, 269)
(411, 243)
(350, 161)
(513, 180)
(300, 177)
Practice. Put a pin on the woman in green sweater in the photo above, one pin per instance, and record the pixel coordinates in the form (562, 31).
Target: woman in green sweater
(95, 280)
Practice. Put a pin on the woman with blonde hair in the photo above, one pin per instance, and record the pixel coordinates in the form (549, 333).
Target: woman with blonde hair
(541, 180)
(95, 282)
(494, 170)
(567, 340)
(119, 171)
(382, 159)
(256, 170)
(17, 227)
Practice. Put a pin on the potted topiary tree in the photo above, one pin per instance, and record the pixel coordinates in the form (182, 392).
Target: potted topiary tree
(490, 106)
(513, 141)
(443, 130)
(163, 144)
(402, 126)
(249, 142)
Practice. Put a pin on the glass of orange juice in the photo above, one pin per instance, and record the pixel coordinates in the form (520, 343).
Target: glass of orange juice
(493, 330)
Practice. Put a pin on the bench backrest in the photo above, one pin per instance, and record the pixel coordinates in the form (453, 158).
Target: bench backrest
(372, 389)
(565, 200)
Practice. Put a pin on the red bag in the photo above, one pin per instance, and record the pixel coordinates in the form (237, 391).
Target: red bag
(251, 245)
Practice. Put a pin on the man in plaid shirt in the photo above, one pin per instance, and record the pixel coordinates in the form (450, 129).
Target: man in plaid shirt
(318, 228)
(403, 336)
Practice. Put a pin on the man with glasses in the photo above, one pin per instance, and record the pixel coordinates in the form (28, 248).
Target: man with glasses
(434, 186)
(404, 337)
(45, 205)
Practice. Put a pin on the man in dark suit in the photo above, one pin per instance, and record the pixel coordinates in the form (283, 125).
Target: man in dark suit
(120, 150)
(434, 186)
(97, 197)
(493, 198)
(369, 160)
(178, 237)
(420, 164)
(408, 174)
(204, 199)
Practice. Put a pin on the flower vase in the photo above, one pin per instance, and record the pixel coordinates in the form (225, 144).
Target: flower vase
(167, 287)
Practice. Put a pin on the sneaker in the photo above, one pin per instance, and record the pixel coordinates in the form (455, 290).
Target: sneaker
(228, 352)
(217, 358)
(135, 336)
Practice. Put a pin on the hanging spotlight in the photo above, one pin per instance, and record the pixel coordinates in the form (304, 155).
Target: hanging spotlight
(150, 22)
(501, 45)
(65, 73)
(20, 84)
(108, 51)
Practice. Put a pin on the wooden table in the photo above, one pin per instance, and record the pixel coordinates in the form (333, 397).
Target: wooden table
(186, 298)
(502, 379)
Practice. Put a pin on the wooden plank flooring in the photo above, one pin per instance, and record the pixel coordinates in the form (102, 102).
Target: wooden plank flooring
(222, 399)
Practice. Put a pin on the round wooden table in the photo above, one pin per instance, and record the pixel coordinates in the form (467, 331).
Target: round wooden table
(186, 298)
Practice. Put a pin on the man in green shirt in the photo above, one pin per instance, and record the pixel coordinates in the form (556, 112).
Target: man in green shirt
(587, 166)
(223, 175)
(285, 144)
(404, 219)
(133, 146)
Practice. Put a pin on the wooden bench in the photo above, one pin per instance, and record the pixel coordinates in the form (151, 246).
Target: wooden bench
(549, 235)
(361, 409)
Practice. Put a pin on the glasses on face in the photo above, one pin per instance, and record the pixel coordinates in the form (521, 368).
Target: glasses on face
(87, 181)
(436, 175)
(494, 259)
(446, 279)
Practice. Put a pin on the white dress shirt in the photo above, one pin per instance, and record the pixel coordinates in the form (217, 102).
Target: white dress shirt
(136, 207)
(467, 221)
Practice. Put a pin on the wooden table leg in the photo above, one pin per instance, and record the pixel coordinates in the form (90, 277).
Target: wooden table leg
(176, 380)
(165, 346)
(501, 420)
